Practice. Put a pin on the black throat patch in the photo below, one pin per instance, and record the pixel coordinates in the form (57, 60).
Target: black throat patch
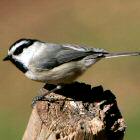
(19, 65)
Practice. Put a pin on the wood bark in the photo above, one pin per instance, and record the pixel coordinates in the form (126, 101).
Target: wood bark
(76, 112)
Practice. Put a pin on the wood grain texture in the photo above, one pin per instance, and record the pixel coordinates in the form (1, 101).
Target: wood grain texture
(77, 112)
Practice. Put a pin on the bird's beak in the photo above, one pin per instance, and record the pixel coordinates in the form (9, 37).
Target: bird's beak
(6, 58)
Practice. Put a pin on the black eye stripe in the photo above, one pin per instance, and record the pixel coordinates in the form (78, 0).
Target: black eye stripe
(18, 41)
(27, 43)
(19, 50)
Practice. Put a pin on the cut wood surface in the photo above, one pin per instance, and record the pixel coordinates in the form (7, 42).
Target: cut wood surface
(76, 112)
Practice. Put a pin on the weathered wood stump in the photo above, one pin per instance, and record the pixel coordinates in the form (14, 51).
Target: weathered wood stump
(76, 112)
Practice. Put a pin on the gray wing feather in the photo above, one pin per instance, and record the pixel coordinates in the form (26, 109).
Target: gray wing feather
(54, 55)
(70, 55)
(74, 52)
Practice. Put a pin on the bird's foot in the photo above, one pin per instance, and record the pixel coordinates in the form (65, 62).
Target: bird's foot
(37, 98)
(42, 97)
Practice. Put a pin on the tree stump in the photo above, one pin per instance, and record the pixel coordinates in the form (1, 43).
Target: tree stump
(76, 112)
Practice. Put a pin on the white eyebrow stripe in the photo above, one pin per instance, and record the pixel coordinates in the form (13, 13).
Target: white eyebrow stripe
(16, 46)
(21, 43)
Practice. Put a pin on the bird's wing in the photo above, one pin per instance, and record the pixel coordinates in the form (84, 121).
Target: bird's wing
(71, 53)
(55, 55)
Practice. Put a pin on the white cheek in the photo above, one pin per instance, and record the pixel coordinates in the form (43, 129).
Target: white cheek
(26, 56)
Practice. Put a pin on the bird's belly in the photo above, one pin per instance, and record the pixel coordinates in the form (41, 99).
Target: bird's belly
(62, 74)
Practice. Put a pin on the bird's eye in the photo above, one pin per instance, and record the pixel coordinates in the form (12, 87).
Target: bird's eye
(19, 50)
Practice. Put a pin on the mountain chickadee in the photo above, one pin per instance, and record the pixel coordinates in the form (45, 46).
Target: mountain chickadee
(53, 63)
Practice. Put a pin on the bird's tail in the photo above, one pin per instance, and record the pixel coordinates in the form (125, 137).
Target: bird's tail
(120, 54)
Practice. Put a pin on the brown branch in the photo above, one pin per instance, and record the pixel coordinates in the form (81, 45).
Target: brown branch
(78, 112)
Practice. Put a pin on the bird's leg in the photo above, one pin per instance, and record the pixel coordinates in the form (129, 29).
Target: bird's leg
(42, 97)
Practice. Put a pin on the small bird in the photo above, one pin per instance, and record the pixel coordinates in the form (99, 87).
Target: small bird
(54, 63)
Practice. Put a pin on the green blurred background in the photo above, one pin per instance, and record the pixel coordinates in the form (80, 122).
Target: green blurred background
(110, 24)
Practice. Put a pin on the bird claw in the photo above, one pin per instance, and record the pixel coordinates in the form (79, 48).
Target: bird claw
(43, 98)
(37, 98)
